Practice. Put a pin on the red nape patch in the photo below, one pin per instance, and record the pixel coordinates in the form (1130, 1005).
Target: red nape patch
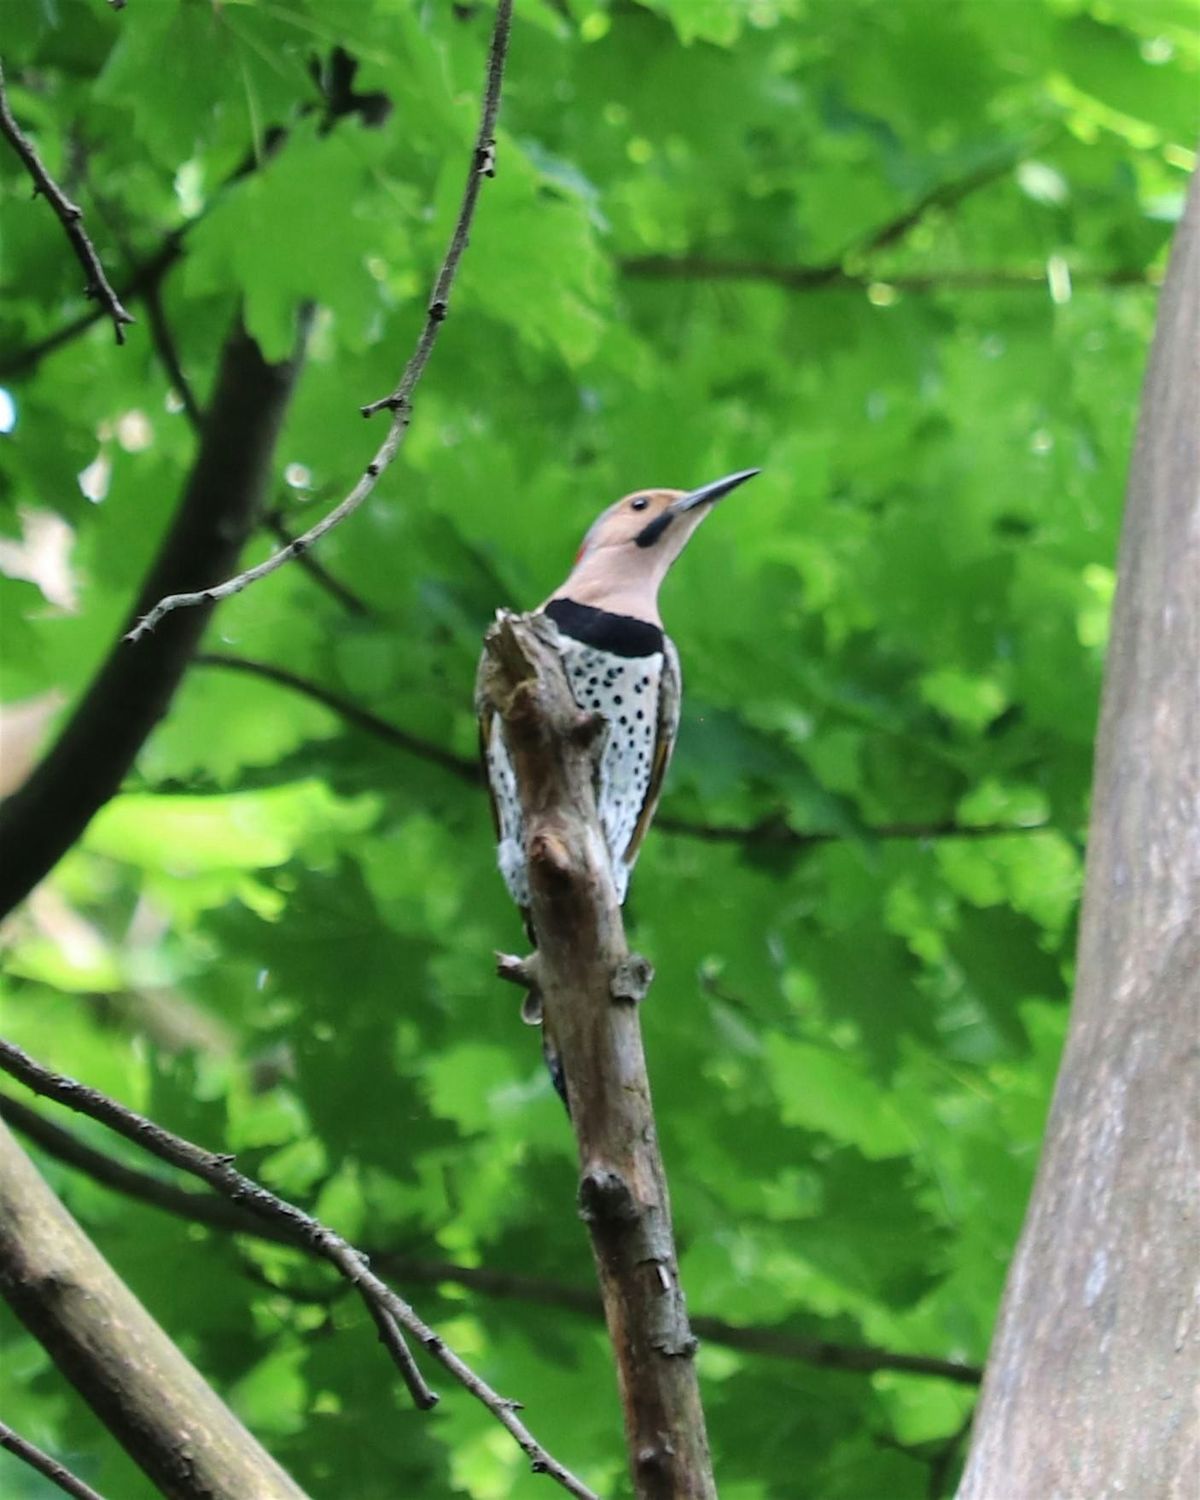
(582, 550)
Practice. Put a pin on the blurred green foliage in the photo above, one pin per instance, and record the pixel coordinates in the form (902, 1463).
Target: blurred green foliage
(279, 937)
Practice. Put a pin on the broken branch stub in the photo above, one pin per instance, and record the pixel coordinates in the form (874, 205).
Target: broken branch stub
(589, 984)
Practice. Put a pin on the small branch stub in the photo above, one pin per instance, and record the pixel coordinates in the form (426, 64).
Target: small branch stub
(631, 979)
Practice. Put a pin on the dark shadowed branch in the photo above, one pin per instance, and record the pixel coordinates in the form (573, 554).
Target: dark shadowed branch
(22, 361)
(352, 713)
(352, 603)
(166, 347)
(386, 1307)
(49, 1468)
(773, 830)
(219, 1213)
(774, 1343)
(399, 402)
(847, 269)
(168, 354)
(70, 216)
(819, 277)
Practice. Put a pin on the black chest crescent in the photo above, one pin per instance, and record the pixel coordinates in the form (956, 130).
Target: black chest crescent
(618, 635)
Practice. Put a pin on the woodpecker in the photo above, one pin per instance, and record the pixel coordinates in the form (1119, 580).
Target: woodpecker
(621, 665)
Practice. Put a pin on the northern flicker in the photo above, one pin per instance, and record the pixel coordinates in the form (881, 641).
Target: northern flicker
(620, 664)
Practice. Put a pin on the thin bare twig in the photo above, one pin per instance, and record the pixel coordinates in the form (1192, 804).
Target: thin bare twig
(220, 1174)
(399, 402)
(219, 1213)
(49, 1468)
(70, 216)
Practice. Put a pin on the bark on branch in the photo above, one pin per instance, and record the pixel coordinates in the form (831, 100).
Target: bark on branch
(1090, 1384)
(108, 1346)
(132, 690)
(590, 984)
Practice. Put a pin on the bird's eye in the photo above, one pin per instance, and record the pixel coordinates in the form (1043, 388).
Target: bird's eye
(640, 503)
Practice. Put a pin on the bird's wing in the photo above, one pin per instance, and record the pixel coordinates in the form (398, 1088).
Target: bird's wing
(670, 686)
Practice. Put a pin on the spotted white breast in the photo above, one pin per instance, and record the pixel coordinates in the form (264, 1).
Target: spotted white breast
(639, 698)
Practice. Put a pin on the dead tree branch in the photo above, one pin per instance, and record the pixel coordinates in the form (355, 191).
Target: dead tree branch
(122, 1363)
(587, 980)
(387, 1308)
(42, 819)
(399, 402)
(49, 1468)
(219, 1213)
(70, 216)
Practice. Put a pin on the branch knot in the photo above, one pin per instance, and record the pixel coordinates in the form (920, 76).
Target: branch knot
(606, 1198)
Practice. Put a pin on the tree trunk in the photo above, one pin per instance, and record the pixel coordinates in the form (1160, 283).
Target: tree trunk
(1090, 1387)
(108, 1346)
(590, 986)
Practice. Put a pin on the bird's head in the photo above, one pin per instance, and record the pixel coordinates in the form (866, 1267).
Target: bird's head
(629, 547)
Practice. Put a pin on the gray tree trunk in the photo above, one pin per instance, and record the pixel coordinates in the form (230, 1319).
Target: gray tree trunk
(1090, 1389)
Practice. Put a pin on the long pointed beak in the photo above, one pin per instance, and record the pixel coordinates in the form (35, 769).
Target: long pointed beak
(707, 493)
